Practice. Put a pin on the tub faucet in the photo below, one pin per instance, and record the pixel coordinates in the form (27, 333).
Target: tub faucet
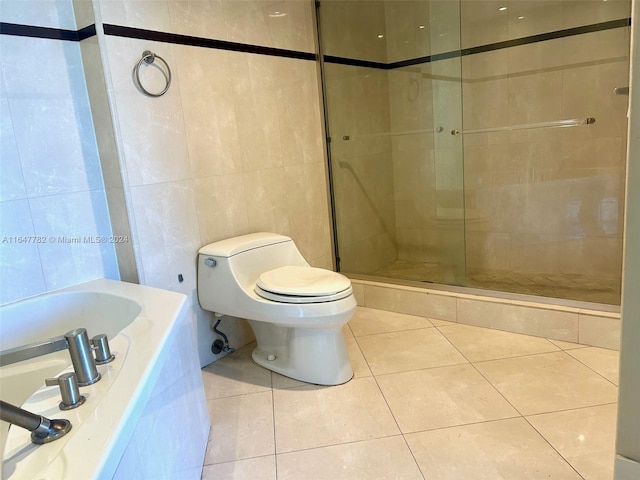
(77, 341)
(42, 429)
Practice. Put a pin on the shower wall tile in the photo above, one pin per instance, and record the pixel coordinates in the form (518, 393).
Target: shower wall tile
(352, 29)
(363, 182)
(406, 29)
(482, 22)
(532, 17)
(586, 12)
(550, 198)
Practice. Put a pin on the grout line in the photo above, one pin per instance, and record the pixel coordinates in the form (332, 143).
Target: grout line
(592, 369)
(375, 379)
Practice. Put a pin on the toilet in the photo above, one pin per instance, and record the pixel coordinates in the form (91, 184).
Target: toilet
(295, 311)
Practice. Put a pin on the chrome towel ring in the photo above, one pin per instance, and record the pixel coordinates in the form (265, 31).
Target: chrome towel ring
(149, 57)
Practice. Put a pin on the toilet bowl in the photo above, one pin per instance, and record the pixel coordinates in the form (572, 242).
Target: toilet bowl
(295, 311)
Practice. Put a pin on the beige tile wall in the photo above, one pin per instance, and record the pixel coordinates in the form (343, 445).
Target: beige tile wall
(551, 200)
(235, 146)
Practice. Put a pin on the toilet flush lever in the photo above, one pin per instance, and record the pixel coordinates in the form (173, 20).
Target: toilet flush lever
(210, 262)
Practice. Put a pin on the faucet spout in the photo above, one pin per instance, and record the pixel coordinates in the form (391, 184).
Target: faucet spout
(32, 350)
(42, 429)
(77, 341)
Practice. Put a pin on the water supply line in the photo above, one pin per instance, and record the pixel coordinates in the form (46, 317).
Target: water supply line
(220, 345)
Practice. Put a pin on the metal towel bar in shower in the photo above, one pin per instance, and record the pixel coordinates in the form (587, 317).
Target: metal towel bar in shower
(148, 58)
(573, 122)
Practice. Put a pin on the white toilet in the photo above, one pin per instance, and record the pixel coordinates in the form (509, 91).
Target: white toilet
(296, 311)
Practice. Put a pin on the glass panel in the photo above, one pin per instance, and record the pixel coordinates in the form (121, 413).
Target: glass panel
(396, 169)
(534, 209)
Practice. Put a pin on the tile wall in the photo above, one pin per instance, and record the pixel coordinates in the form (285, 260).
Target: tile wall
(550, 200)
(52, 194)
(235, 146)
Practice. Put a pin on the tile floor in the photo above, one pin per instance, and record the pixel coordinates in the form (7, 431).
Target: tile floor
(429, 400)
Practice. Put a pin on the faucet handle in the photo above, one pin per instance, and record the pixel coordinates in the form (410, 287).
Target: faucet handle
(100, 346)
(69, 391)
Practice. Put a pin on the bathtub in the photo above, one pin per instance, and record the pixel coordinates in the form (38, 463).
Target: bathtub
(147, 416)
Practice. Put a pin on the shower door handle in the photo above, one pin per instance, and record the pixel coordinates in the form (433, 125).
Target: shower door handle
(621, 90)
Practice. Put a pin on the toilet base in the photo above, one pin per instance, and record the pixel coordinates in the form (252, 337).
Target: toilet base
(312, 355)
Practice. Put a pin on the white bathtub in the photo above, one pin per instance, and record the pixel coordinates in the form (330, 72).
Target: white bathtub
(146, 417)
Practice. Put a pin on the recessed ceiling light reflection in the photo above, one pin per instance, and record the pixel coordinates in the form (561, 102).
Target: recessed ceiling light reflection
(277, 14)
(421, 27)
(502, 9)
(380, 35)
(520, 17)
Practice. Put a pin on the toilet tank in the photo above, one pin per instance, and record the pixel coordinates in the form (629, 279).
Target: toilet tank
(239, 261)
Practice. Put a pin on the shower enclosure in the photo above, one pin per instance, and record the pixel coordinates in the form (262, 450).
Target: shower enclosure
(479, 143)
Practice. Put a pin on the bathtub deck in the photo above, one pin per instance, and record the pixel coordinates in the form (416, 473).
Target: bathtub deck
(429, 400)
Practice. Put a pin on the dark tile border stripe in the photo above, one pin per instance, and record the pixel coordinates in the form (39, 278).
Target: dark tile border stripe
(140, 34)
(569, 32)
(47, 32)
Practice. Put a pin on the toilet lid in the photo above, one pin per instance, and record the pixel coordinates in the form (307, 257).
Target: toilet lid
(296, 284)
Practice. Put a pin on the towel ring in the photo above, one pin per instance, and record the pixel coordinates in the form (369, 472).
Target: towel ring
(149, 57)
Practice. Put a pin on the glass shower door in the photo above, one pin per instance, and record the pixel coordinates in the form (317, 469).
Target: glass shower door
(392, 97)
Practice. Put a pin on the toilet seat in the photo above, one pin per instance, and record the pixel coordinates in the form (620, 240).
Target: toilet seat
(296, 284)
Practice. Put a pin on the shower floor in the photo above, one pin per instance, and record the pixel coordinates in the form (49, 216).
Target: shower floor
(583, 288)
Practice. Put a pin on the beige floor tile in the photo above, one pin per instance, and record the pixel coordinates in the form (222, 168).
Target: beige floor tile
(605, 362)
(547, 382)
(358, 363)
(408, 350)
(241, 427)
(369, 321)
(259, 468)
(501, 450)
(235, 374)
(478, 344)
(442, 397)
(346, 330)
(381, 459)
(565, 345)
(584, 437)
(309, 417)
(280, 381)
